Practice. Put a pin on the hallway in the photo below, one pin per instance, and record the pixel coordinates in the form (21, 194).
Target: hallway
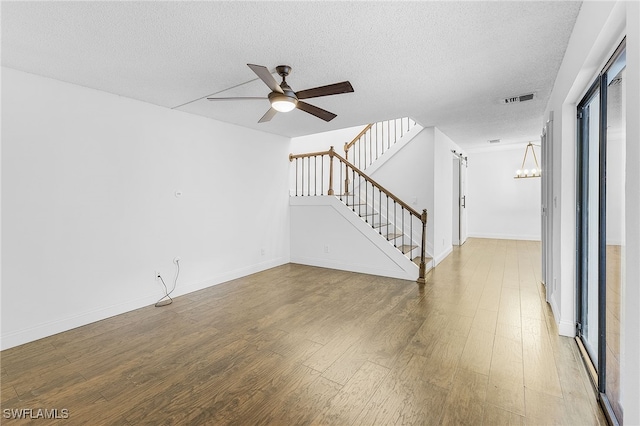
(304, 345)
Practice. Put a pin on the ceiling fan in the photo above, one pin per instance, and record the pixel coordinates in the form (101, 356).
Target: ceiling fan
(283, 99)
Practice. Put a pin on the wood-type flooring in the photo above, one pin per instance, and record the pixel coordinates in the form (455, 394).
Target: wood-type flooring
(301, 345)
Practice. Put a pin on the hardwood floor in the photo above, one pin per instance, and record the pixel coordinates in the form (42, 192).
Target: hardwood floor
(304, 345)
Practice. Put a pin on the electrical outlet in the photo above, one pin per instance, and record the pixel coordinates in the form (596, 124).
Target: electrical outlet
(176, 260)
(262, 252)
(326, 249)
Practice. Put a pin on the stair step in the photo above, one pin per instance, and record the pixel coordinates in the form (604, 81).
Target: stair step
(368, 214)
(393, 236)
(406, 248)
(416, 260)
(380, 225)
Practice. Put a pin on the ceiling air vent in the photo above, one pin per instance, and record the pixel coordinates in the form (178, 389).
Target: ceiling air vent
(516, 99)
(494, 141)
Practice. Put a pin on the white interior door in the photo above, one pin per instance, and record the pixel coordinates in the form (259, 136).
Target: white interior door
(547, 207)
(455, 220)
(463, 201)
(459, 220)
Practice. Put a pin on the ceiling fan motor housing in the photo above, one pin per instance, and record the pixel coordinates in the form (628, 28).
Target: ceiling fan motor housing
(283, 70)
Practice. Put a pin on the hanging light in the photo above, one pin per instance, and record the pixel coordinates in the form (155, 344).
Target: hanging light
(526, 173)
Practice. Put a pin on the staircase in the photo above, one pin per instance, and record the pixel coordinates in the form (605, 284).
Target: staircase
(385, 224)
(327, 172)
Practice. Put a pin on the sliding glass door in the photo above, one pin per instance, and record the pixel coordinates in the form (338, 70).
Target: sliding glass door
(600, 222)
(615, 220)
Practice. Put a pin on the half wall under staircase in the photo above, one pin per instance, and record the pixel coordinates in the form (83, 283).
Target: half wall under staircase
(330, 190)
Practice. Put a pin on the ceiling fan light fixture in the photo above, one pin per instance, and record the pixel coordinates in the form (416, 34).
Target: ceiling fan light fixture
(281, 102)
(283, 99)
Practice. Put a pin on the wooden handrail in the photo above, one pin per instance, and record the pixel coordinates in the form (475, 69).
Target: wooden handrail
(310, 154)
(350, 144)
(332, 153)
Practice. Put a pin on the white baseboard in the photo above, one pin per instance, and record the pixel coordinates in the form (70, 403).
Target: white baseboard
(40, 331)
(505, 236)
(565, 328)
(442, 256)
(232, 275)
(351, 267)
(47, 329)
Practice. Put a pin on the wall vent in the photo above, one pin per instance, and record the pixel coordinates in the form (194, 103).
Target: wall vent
(494, 141)
(521, 98)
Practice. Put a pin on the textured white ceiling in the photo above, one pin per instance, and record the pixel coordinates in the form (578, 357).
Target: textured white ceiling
(446, 64)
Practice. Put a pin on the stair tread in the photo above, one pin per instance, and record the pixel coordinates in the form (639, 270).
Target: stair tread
(406, 248)
(380, 225)
(368, 214)
(416, 260)
(393, 236)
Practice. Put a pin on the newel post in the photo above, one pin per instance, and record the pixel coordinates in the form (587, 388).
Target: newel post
(423, 266)
(331, 151)
(346, 179)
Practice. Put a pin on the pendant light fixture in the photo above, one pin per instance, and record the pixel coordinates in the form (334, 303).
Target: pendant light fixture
(528, 173)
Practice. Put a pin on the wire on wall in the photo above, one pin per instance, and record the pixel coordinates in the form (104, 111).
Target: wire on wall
(166, 299)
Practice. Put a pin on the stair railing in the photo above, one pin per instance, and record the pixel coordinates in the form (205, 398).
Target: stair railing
(382, 210)
(375, 139)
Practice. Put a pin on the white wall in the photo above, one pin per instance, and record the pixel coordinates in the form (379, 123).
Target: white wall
(421, 174)
(326, 233)
(500, 206)
(598, 30)
(323, 141)
(89, 211)
(409, 174)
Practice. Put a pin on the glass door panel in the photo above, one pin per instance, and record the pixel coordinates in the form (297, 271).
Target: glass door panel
(589, 155)
(615, 232)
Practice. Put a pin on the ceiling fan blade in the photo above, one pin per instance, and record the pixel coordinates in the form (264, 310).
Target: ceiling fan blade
(331, 89)
(266, 76)
(314, 110)
(236, 99)
(268, 115)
